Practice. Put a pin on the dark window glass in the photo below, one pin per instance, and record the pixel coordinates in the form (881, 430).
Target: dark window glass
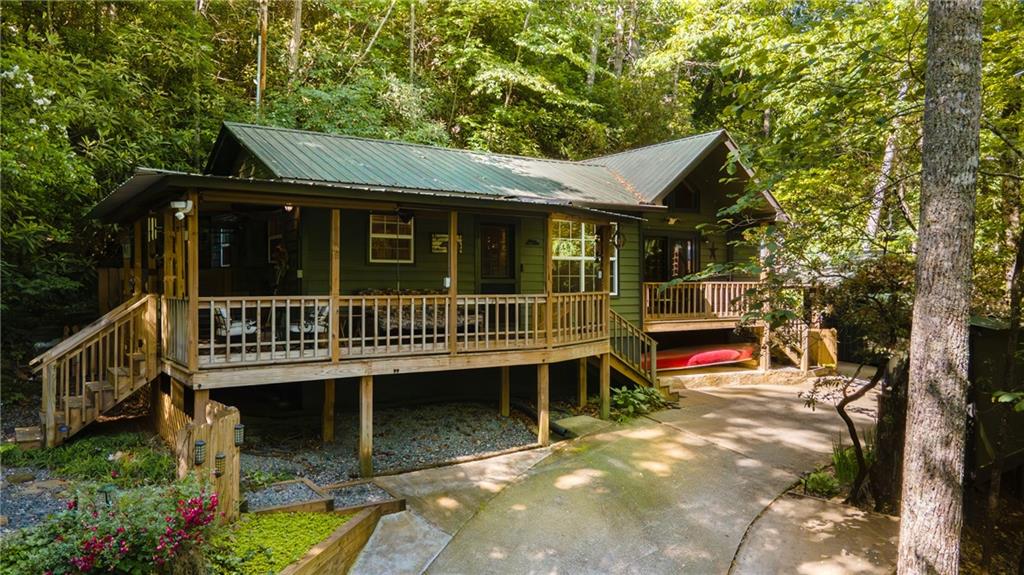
(683, 199)
(497, 258)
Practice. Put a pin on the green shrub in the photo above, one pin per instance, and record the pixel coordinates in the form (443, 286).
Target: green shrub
(139, 530)
(259, 479)
(820, 483)
(630, 402)
(844, 459)
(267, 542)
(125, 459)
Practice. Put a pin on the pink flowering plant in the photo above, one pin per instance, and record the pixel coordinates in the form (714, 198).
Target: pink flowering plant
(141, 530)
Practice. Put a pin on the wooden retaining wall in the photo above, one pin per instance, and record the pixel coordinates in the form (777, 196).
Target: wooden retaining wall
(339, 551)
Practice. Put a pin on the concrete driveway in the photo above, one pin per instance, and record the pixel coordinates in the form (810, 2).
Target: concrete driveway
(673, 493)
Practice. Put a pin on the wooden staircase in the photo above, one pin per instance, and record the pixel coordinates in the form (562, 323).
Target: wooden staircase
(91, 372)
(634, 353)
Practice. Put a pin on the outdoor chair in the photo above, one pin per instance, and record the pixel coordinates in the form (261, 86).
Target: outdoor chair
(225, 327)
(316, 322)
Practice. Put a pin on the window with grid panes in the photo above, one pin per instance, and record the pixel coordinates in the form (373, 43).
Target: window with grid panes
(391, 239)
(574, 250)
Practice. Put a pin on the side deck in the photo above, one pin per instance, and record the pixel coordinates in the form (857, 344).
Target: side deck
(689, 306)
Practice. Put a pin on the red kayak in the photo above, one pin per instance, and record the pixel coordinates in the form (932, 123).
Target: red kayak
(701, 356)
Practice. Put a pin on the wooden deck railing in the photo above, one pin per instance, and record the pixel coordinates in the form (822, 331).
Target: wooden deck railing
(262, 330)
(696, 300)
(288, 329)
(633, 347)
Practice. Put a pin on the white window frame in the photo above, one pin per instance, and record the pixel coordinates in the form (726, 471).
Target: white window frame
(582, 258)
(411, 236)
(218, 247)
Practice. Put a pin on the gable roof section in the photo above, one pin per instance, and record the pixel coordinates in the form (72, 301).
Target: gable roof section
(655, 170)
(295, 155)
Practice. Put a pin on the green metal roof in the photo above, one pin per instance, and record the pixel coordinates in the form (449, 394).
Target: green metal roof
(654, 170)
(296, 155)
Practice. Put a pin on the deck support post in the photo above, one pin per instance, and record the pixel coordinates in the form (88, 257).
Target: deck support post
(168, 290)
(366, 426)
(327, 417)
(335, 321)
(765, 359)
(192, 278)
(582, 381)
(453, 281)
(137, 258)
(543, 422)
(503, 399)
(606, 385)
(200, 399)
(549, 271)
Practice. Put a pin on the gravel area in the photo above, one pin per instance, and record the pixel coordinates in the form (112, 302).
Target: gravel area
(403, 438)
(26, 503)
(280, 495)
(359, 495)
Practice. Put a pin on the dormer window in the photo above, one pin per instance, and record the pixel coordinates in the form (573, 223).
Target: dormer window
(685, 198)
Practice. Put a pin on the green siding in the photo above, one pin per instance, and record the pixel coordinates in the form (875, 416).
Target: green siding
(628, 301)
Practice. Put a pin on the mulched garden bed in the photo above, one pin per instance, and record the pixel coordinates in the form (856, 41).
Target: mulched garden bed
(403, 438)
(27, 502)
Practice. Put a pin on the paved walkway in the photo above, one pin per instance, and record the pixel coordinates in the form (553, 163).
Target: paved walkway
(674, 493)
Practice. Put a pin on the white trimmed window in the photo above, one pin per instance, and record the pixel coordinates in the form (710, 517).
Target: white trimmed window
(391, 239)
(575, 265)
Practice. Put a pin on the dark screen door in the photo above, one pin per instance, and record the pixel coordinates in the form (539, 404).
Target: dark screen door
(497, 258)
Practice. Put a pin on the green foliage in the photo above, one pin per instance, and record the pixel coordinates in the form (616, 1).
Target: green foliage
(138, 531)
(1016, 398)
(259, 479)
(125, 459)
(844, 458)
(629, 402)
(820, 483)
(267, 542)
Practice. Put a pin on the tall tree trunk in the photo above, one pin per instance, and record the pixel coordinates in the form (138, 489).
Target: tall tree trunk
(887, 472)
(296, 42)
(412, 41)
(932, 510)
(261, 71)
(618, 45)
(595, 41)
(884, 175)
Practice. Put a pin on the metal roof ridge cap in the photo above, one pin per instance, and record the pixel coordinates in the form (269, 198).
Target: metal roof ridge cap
(594, 161)
(413, 144)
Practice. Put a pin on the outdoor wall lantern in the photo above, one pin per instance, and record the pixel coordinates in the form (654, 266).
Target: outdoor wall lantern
(239, 434)
(218, 464)
(182, 207)
(200, 452)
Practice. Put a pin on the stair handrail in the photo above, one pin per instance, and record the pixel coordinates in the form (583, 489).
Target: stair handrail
(86, 333)
(645, 346)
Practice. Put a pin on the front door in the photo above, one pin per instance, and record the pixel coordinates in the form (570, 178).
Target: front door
(669, 257)
(497, 258)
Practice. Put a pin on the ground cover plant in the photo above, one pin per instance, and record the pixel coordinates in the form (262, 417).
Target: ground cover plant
(139, 530)
(629, 402)
(820, 483)
(265, 543)
(123, 459)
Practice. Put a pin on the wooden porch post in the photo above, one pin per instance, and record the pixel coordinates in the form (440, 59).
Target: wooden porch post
(582, 381)
(327, 417)
(126, 268)
(193, 281)
(200, 399)
(503, 400)
(606, 385)
(549, 280)
(453, 280)
(137, 258)
(543, 423)
(335, 293)
(366, 426)
(168, 290)
(765, 362)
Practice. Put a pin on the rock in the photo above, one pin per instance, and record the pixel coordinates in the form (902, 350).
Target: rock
(3, 520)
(116, 456)
(20, 477)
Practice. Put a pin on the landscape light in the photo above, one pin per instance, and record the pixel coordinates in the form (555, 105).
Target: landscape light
(200, 454)
(218, 463)
(239, 434)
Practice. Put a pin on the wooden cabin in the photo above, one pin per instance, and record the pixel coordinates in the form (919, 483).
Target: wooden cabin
(300, 256)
